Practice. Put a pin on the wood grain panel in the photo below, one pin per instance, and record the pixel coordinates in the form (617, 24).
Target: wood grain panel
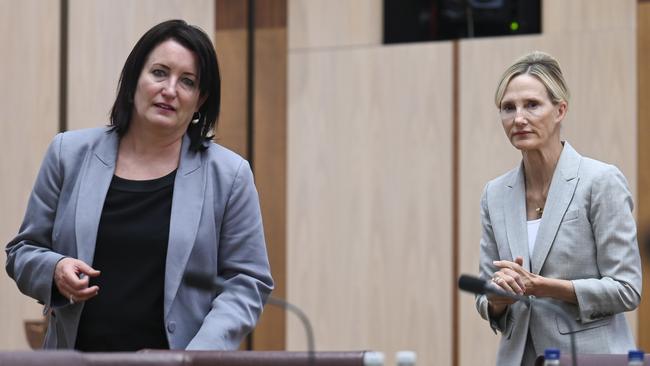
(231, 14)
(369, 176)
(600, 70)
(102, 33)
(643, 203)
(561, 16)
(29, 34)
(232, 51)
(334, 23)
(270, 163)
(271, 14)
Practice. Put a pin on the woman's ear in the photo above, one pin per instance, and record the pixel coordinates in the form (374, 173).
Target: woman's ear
(202, 100)
(561, 111)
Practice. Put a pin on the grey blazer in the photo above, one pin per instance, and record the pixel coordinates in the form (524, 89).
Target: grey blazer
(215, 227)
(587, 235)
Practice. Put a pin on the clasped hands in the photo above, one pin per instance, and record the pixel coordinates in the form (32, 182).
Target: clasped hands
(511, 277)
(72, 277)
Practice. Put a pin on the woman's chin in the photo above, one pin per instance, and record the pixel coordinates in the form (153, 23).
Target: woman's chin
(163, 122)
(525, 145)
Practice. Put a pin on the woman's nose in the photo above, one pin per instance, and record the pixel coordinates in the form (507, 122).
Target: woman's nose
(520, 116)
(169, 89)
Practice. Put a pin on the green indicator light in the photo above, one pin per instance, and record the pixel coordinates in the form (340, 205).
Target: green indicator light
(514, 26)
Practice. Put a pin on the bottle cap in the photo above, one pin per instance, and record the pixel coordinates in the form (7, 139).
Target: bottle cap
(373, 358)
(552, 354)
(405, 358)
(635, 355)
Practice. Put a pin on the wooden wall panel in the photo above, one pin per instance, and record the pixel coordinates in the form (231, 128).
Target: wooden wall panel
(334, 23)
(231, 43)
(561, 16)
(101, 35)
(643, 202)
(270, 164)
(264, 142)
(29, 34)
(600, 68)
(369, 182)
(232, 129)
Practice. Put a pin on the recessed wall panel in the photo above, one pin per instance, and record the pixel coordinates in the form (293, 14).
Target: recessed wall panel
(29, 34)
(369, 182)
(316, 24)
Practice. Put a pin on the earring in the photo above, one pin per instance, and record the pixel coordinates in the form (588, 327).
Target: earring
(196, 118)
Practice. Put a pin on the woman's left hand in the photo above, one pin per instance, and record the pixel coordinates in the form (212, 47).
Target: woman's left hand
(516, 271)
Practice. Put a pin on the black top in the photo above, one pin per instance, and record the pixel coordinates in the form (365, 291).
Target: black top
(127, 313)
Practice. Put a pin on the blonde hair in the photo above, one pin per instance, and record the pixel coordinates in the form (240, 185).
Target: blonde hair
(544, 67)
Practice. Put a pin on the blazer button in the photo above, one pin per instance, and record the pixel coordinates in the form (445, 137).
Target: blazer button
(171, 326)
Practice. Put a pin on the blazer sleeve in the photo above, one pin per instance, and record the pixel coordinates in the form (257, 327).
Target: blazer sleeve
(489, 253)
(618, 260)
(30, 259)
(243, 268)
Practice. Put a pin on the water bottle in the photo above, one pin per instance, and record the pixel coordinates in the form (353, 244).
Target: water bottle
(405, 358)
(635, 358)
(373, 359)
(552, 357)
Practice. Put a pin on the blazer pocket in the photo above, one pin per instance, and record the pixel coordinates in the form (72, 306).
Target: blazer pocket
(570, 215)
(563, 327)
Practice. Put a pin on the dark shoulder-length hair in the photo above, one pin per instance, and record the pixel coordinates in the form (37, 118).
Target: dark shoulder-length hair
(195, 40)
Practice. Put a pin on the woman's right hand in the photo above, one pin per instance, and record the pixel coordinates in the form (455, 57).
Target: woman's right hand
(508, 281)
(71, 277)
(498, 304)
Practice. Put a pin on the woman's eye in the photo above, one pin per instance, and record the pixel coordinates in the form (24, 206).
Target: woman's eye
(188, 82)
(507, 108)
(532, 105)
(158, 73)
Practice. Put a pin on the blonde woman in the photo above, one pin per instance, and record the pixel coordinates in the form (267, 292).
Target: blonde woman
(558, 226)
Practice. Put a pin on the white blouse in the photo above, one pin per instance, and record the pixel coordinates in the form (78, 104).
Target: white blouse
(533, 227)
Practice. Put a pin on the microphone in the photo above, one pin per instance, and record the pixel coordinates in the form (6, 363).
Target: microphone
(480, 286)
(207, 281)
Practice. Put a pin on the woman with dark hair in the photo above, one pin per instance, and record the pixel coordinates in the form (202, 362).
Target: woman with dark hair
(120, 215)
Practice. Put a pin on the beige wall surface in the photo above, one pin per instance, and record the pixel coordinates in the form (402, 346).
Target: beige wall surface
(369, 151)
(29, 35)
(101, 35)
(598, 57)
(334, 23)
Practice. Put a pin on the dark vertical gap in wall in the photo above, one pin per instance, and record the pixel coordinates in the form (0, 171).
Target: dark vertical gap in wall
(455, 240)
(250, 80)
(250, 104)
(63, 67)
(643, 161)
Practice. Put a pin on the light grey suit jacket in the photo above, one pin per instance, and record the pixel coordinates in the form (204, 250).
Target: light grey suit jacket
(587, 235)
(215, 227)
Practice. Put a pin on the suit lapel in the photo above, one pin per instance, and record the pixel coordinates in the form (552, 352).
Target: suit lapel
(100, 167)
(187, 205)
(514, 207)
(563, 185)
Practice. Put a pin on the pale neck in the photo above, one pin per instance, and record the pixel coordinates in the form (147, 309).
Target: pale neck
(539, 166)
